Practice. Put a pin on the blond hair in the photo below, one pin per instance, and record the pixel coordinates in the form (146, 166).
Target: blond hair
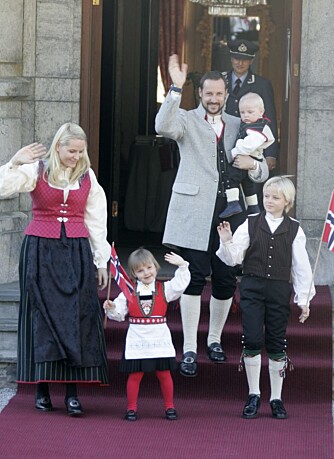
(284, 185)
(253, 98)
(65, 134)
(139, 258)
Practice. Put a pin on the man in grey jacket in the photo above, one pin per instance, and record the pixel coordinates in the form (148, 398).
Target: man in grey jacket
(205, 137)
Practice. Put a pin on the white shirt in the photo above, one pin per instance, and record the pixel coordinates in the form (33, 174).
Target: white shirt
(233, 252)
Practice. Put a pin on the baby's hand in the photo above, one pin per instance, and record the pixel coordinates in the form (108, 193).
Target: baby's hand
(224, 231)
(305, 313)
(108, 305)
(174, 259)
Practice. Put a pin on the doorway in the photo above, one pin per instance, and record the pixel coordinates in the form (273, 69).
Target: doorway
(135, 167)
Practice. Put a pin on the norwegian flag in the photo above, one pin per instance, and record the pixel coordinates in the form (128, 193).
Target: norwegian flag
(120, 275)
(328, 235)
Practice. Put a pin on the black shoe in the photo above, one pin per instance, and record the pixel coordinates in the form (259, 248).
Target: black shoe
(253, 210)
(73, 406)
(251, 407)
(277, 409)
(188, 365)
(216, 353)
(131, 415)
(43, 403)
(171, 414)
(232, 208)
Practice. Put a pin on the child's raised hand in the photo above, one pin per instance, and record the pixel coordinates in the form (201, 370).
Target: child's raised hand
(305, 313)
(174, 259)
(108, 305)
(224, 231)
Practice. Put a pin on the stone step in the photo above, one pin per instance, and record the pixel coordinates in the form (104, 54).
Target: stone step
(9, 310)
(8, 339)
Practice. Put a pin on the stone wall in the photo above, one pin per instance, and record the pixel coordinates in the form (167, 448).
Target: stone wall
(40, 44)
(315, 152)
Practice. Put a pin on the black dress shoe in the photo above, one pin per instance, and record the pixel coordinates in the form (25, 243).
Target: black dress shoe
(73, 406)
(131, 415)
(171, 414)
(188, 365)
(216, 353)
(251, 407)
(43, 403)
(277, 409)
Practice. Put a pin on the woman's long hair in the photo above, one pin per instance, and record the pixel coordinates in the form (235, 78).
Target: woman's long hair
(65, 134)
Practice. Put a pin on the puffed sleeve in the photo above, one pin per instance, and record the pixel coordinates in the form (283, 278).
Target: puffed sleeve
(17, 179)
(176, 286)
(119, 312)
(96, 222)
(301, 272)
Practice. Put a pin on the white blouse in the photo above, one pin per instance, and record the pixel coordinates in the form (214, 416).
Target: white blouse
(23, 179)
(233, 252)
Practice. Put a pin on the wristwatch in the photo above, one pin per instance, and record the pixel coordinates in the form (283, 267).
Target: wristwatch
(175, 89)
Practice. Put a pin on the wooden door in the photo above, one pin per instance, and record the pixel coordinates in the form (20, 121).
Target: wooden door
(290, 88)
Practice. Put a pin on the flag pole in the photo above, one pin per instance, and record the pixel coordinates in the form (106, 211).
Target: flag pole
(108, 297)
(319, 249)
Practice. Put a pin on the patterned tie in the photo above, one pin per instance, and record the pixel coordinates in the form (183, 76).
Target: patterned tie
(237, 86)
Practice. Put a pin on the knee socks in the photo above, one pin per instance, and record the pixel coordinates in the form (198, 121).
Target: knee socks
(167, 388)
(276, 380)
(219, 310)
(190, 312)
(253, 370)
(132, 389)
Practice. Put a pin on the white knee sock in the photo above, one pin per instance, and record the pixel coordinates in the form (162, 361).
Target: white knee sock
(190, 312)
(219, 310)
(253, 370)
(276, 380)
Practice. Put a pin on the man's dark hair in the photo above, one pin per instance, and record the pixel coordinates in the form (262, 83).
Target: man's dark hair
(212, 75)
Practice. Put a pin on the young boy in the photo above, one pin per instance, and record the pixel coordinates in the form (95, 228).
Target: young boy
(254, 136)
(271, 247)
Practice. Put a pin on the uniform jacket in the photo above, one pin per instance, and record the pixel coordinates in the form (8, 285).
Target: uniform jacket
(194, 191)
(263, 87)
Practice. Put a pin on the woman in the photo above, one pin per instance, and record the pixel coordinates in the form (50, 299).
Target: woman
(60, 335)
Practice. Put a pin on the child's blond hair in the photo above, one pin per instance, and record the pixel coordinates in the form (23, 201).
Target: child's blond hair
(284, 185)
(139, 258)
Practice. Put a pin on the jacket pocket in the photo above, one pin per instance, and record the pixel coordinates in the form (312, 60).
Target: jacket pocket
(186, 188)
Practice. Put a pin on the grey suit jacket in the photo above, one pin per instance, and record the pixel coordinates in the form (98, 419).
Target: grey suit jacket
(194, 191)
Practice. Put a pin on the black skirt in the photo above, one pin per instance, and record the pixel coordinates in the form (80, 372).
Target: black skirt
(60, 336)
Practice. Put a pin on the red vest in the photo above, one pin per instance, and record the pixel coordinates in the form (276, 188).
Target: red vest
(50, 211)
(159, 303)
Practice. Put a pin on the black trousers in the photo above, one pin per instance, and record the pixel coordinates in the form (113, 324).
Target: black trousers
(265, 306)
(204, 264)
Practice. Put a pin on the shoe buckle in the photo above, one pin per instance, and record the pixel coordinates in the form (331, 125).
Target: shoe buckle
(74, 404)
(217, 349)
(188, 360)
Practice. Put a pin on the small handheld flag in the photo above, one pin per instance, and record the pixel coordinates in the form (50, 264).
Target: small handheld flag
(120, 275)
(328, 233)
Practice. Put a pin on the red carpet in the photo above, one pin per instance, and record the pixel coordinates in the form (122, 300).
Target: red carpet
(209, 406)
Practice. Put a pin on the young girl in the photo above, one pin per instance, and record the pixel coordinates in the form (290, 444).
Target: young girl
(271, 247)
(148, 345)
(60, 336)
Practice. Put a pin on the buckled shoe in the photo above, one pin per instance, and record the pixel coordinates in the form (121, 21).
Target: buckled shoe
(73, 406)
(131, 415)
(188, 365)
(171, 414)
(216, 353)
(251, 407)
(43, 403)
(277, 409)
